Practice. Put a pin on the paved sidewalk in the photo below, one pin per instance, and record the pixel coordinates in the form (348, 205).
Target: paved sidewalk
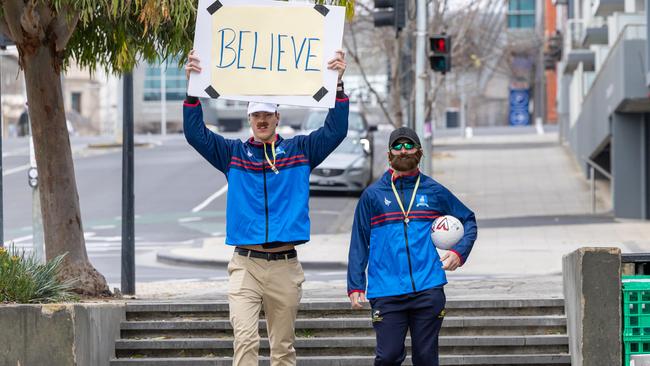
(532, 204)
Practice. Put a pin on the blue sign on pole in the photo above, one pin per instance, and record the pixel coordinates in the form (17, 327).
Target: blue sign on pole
(519, 115)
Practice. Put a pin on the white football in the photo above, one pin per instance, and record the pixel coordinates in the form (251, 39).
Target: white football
(446, 232)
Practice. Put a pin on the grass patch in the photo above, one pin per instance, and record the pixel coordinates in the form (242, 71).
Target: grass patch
(24, 280)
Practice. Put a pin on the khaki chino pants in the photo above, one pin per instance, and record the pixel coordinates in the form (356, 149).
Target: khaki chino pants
(277, 286)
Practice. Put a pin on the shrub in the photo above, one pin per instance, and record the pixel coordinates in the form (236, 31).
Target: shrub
(24, 280)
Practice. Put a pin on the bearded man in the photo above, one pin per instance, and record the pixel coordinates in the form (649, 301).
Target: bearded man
(391, 238)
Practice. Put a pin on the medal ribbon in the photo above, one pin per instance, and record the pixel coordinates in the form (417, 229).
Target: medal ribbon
(399, 201)
(272, 164)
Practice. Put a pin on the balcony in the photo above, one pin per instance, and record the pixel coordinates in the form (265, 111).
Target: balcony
(594, 36)
(574, 51)
(617, 87)
(607, 7)
(576, 57)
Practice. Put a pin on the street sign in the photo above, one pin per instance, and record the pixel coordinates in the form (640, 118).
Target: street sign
(519, 99)
(32, 177)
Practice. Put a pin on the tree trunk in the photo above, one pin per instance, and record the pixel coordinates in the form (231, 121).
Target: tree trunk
(58, 189)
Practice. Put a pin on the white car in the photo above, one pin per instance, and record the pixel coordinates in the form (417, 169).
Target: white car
(347, 169)
(357, 125)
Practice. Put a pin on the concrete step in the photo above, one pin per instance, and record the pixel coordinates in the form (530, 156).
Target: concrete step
(339, 309)
(452, 326)
(505, 360)
(343, 346)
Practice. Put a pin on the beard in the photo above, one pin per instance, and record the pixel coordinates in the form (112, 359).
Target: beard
(404, 163)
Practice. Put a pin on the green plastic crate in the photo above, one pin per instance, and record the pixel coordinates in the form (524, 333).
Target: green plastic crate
(636, 306)
(635, 346)
(636, 316)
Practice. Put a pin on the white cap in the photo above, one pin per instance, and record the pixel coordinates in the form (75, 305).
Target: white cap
(262, 107)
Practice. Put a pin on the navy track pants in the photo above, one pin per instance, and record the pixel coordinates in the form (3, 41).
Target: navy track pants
(420, 312)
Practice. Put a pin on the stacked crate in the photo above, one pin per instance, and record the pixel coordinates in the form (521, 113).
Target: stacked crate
(636, 316)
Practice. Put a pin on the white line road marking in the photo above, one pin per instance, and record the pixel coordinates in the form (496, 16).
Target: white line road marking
(325, 212)
(103, 227)
(331, 273)
(15, 170)
(205, 203)
(14, 153)
(189, 219)
(21, 239)
(114, 239)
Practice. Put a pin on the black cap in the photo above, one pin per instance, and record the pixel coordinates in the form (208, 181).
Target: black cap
(403, 132)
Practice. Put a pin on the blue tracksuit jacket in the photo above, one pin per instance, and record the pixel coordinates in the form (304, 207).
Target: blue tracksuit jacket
(401, 258)
(264, 207)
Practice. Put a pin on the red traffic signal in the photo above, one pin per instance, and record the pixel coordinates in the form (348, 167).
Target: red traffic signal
(440, 56)
(439, 44)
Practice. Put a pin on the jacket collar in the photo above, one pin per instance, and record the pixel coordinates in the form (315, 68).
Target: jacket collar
(251, 141)
(407, 177)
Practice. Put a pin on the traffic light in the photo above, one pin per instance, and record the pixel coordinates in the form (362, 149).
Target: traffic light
(553, 51)
(440, 57)
(390, 13)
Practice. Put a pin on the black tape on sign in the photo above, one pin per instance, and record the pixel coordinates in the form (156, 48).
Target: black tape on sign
(214, 7)
(212, 93)
(322, 9)
(320, 94)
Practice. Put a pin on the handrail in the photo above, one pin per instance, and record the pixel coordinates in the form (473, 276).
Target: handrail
(592, 179)
(600, 169)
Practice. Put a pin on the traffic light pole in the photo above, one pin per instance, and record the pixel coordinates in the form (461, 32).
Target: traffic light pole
(420, 84)
(128, 198)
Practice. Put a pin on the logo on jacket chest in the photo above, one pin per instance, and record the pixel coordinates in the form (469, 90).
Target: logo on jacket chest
(422, 200)
(387, 202)
(279, 151)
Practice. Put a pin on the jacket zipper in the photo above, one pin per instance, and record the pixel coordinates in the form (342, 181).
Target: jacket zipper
(266, 203)
(406, 240)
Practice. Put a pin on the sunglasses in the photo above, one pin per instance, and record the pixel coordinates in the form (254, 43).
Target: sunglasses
(406, 145)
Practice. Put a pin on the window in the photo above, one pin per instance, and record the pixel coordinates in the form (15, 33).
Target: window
(521, 21)
(175, 83)
(519, 5)
(521, 14)
(76, 101)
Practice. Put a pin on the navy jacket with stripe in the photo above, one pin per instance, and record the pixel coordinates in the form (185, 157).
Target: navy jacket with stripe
(401, 258)
(264, 207)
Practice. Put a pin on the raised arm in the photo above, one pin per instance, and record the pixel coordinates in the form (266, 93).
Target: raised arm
(213, 147)
(323, 141)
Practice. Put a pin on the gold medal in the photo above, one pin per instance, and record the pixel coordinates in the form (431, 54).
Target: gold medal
(399, 201)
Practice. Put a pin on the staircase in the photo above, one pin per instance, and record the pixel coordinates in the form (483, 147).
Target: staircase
(475, 332)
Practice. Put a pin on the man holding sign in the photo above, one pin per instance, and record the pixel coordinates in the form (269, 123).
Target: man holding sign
(267, 214)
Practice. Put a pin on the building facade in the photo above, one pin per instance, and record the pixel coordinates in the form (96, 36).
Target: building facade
(602, 103)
